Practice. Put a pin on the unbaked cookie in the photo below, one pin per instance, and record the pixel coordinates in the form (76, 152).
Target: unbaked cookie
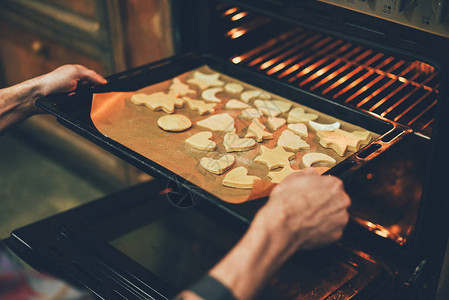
(174, 123)
(299, 128)
(200, 106)
(341, 141)
(236, 104)
(312, 158)
(250, 113)
(239, 178)
(218, 166)
(275, 123)
(272, 108)
(254, 94)
(201, 141)
(180, 89)
(298, 115)
(257, 131)
(278, 176)
(204, 81)
(274, 158)
(324, 127)
(209, 95)
(291, 141)
(158, 101)
(221, 122)
(233, 88)
(233, 143)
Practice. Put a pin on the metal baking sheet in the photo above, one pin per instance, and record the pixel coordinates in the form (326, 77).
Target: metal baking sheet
(73, 111)
(135, 127)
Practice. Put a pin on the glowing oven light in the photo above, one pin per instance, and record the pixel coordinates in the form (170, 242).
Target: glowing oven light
(230, 11)
(239, 16)
(236, 59)
(238, 33)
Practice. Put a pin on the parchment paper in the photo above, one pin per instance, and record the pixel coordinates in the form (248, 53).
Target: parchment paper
(136, 128)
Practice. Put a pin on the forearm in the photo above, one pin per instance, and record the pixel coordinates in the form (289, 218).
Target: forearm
(17, 102)
(251, 263)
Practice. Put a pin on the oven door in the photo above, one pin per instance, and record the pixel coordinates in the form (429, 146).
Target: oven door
(137, 245)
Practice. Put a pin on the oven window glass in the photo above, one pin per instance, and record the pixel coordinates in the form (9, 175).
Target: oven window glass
(179, 247)
(183, 245)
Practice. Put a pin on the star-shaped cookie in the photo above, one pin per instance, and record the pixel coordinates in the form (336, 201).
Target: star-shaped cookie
(341, 141)
(199, 105)
(158, 101)
(299, 115)
(203, 81)
(256, 130)
(274, 158)
(278, 176)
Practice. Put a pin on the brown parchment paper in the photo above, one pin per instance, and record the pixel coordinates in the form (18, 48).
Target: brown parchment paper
(136, 128)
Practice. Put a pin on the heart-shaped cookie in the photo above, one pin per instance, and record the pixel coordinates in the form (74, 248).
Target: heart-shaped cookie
(299, 128)
(218, 166)
(298, 115)
(201, 141)
(275, 123)
(239, 178)
(233, 143)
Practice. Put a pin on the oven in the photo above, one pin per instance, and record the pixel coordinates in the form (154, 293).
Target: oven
(379, 65)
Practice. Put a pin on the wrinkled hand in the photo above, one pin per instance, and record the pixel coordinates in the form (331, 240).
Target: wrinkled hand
(306, 210)
(66, 78)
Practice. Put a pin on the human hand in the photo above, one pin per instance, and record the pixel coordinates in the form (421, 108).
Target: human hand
(66, 78)
(306, 210)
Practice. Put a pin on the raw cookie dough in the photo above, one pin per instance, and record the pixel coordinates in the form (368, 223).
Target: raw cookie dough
(272, 108)
(174, 123)
(200, 106)
(250, 113)
(299, 128)
(314, 157)
(239, 178)
(158, 101)
(236, 104)
(298, 115)
(233, 143)
(218, 166)
(274, 158)
(201, 141)
(278, 176)
(257, 131)
(324, 127)
(209, 95)
(253, 94)
(180, 89)
(291, 141)
(341, 141)
(221, 122)
(233, 88)
(275, 123)
(204, 81)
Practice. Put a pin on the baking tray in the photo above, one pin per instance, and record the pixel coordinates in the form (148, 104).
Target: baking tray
(73, 111)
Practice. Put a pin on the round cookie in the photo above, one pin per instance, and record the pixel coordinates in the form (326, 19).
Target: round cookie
(174, 123)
